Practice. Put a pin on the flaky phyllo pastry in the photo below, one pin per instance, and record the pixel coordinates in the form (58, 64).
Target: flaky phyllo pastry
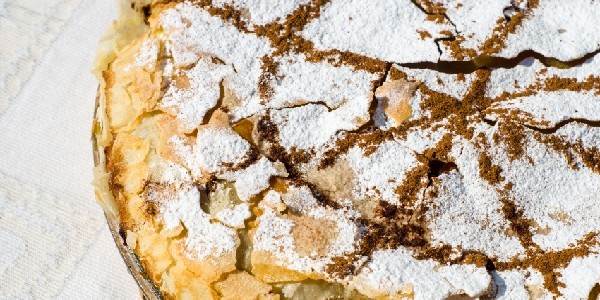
(352, 149)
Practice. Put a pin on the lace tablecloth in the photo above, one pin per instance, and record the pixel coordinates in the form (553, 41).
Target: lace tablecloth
(54, 241)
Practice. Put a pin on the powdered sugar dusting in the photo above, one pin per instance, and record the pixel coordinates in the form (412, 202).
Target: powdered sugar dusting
(421, 140)
(548, 28)
(519, 284)
(272, 199)
(575, 132)
(235, 216)
(379, 173)
(552, 108)
(392, 273)
(474, 21)
(541, 193)
(304, 82)
(515, 79)
(547, 107)
(457, 219)
(255, 178)
(215, 147)
(296, 82)
(181, 204)
(261, 12)
(274, 232)
(310, 125)
(148, 55)
(327, 100)
(580, 276)
(452, 84)
(361, 27)
(553, 30)
(168, 172)
(467, 279)
(530, 72)
(217, 150)
(194, 32)
(192, 93)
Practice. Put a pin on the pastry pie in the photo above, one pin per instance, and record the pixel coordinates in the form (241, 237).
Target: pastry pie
(351, 149)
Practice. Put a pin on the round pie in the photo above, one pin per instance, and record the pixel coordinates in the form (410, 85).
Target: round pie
(351, 149)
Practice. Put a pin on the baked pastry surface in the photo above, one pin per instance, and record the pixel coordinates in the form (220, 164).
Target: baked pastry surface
(350, 149)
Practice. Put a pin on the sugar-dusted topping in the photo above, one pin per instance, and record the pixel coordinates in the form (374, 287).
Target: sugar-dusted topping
(255, 178)
(553, 30)
(148, 54)
(298, 81)
(507, 28)
(216, 149)
(531, 76)
(509, 285)
(312, 125)
(392, 273)
(421, 140)
(167, 171)
(466, 212)
(519, 284)
(544, 97)
(379, 173)
(275, 234)
(467, 279)
(285, 81)
(262, 12)
(278, 234)
(430, 82)
(547, 110)
(338, 99)
(576, 133)
(301, 200)
(234, 216)
(523, 195)
(559, 218)
(361, 27)
(192, 93)
(180, 204)
(475, 22)
(404, 179)
(272, 199)
(455, 85)
(222, 153)
(516, 79)
(192, 32)
(580, 276)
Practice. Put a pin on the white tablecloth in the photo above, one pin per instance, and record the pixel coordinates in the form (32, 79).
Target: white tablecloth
(54, 242)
